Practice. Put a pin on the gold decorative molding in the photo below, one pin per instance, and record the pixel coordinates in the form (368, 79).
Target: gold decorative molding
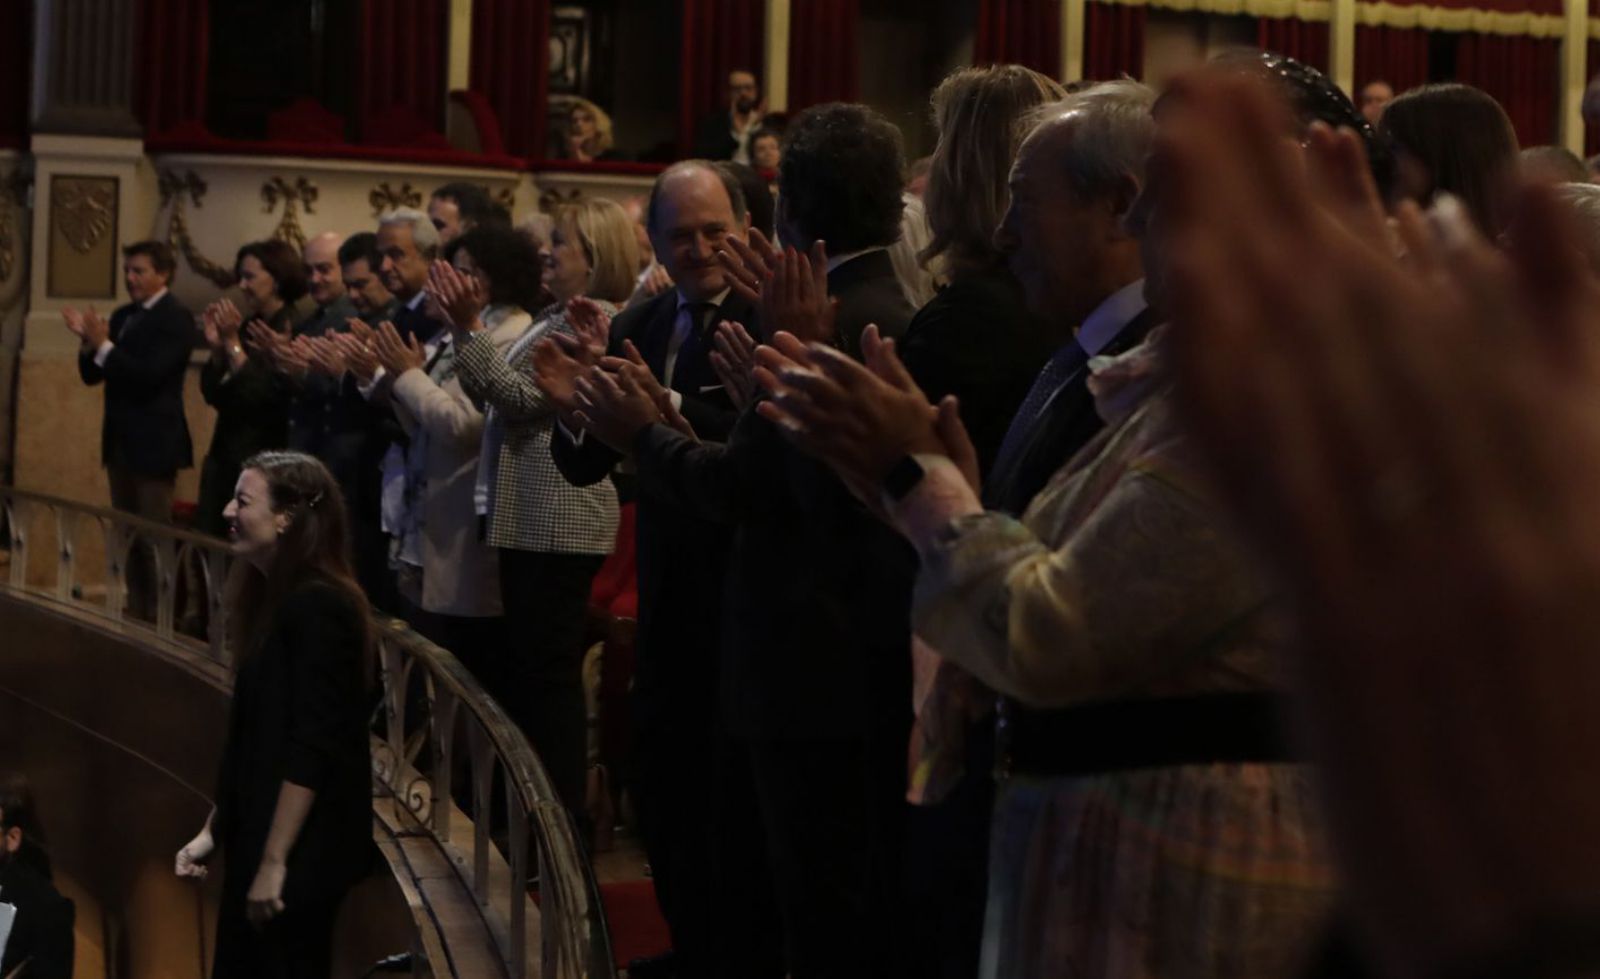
(553, 197)
(81, 251)
(301, 193)
(13, 199)
(386, 198)
(506, 197)
(84, 209)
(177, 191)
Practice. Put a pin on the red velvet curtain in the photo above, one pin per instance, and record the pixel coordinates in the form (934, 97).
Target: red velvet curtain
(400, 64)
(1022, 32)
(172, 41)
(1523, 75)
(719, 36)
(1397, 55)
(510, 67)
(1591, 132)
(824, 52)
(14, 71)
(1303, 40)
(1113, 41)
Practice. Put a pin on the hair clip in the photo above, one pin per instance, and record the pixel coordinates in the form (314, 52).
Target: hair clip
(315, 500)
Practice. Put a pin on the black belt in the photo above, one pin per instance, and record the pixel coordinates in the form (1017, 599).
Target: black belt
(1161, 733)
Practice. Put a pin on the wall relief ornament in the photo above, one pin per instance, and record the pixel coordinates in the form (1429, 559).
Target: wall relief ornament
(386, 198)
(553, 197)
(84, 210)
(180, 191)
(301, 193)
(13, 200)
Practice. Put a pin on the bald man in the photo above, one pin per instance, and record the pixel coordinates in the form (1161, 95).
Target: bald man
(315, 417)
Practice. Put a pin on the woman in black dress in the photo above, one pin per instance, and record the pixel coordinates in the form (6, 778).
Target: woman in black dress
(251, 398)
(293, 805)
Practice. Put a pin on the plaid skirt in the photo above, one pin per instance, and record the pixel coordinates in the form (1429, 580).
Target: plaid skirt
(1171, 873)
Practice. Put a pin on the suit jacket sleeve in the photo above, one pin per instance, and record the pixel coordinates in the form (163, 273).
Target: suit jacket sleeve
(581, 464)
(442, 414)
(88, 369)
(324, 642)
(162, 351)
(253, 388)
(52, 959)
(744, 479)
(489, 380)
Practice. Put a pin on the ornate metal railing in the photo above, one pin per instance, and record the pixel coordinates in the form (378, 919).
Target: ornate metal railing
(443, 752)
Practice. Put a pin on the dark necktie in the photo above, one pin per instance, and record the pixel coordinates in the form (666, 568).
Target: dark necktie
(686, 369)
(1057, 371)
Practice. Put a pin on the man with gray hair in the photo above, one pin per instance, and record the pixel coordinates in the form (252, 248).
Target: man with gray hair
(1074, 181)
(407, 244)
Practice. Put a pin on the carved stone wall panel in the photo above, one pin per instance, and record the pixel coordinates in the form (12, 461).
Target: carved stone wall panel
(83, 236)
(386, 197)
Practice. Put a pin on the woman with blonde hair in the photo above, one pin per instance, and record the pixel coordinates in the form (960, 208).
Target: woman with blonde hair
(589, 136)
(975, 339)
(551, 536)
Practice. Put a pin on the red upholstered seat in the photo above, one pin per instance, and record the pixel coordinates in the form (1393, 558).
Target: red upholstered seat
(616, 586)
(490, 139)
(305, 121)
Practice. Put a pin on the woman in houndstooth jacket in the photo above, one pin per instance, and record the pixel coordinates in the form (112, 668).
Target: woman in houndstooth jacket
(551, 536)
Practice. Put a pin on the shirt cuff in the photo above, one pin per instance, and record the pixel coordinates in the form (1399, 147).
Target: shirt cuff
(102, 352)
(576, 438)
(372, 385)
(676, 397)
(940, 496)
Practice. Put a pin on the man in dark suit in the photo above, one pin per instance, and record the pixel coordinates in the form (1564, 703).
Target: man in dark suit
(40, 944)
(695, 814)
(141, 356)
(1081, 270)
(725, 135)
(816, 645)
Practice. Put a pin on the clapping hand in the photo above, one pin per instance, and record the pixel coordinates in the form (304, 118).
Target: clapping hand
(632, 363)
(592, 326)
(270, 342)
(397, 355)
(1414, 446)
(794, 298)
(460, 297)
(324, 355)
(860, 419)
(748, 264)
(89, 326)
(734, 360)
(615, 406)
(356, 348)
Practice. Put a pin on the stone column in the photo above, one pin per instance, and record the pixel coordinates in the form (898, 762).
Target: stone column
(83, 76)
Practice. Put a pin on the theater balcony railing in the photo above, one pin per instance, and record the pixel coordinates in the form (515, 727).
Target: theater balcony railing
(462, 808)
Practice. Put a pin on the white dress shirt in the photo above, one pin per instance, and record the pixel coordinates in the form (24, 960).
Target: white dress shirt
(106, 346)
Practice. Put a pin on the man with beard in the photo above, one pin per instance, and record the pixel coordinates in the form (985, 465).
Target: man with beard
(40, 942)
(726, 136)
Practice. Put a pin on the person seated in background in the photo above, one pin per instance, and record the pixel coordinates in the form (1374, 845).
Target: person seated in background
(726, 134)
(1551, 165)
(41, 940)
(239, 380)
(550, 537)
(459, 207)
(1375, 97)
(766, 152)
(917, 176)
(1582, 201)
(589, 134)
(759, 198)
(652, 279)
(1453, 139)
